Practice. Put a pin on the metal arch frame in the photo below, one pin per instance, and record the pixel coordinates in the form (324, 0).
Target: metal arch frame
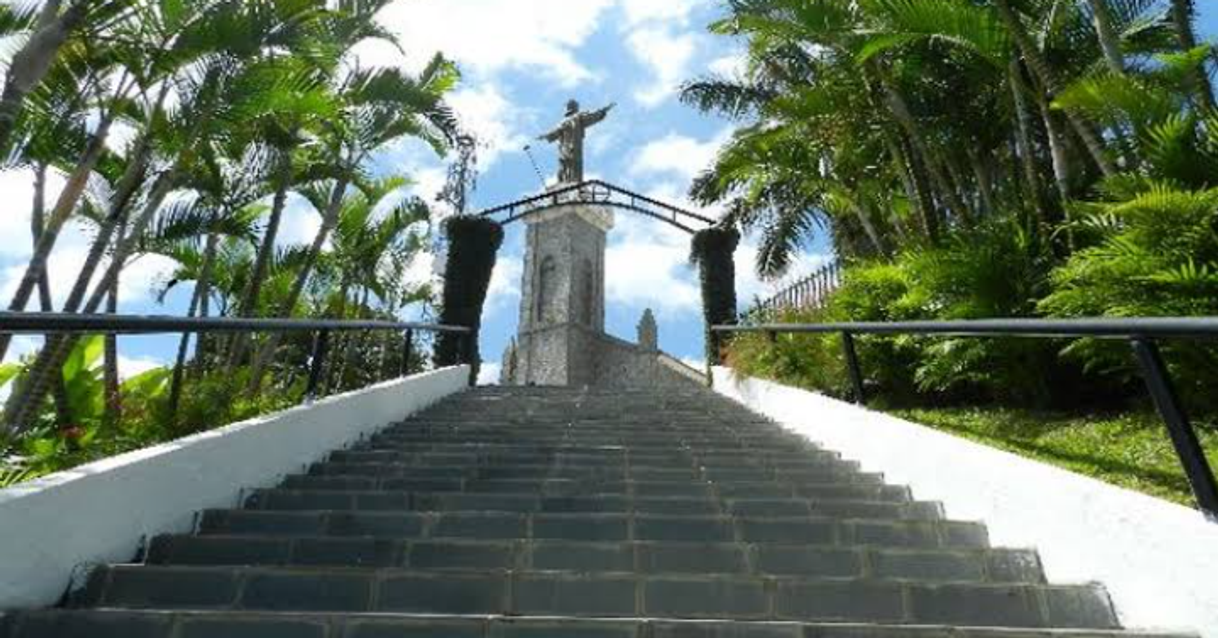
(602, 194)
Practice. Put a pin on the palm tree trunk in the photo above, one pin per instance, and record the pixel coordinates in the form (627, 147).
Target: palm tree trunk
(1110, 42)
(179, 366)
(32, 63)
(329, 221)
(248, 306)
(985, 182)
(203, 291)
(111, 232)
(1182, 15)
(900, 111)
(1040, 68)
(59, 390)
(114, 399)
(64, 207)
(22, 406)
(909, 179)
(37, 223)
(873, 235)
(955, 175)
(1057, 149)
(341, 342)
(1025, 147)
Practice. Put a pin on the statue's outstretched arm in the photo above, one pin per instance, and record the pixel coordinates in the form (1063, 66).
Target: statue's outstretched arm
(597, 117)
(552, 136)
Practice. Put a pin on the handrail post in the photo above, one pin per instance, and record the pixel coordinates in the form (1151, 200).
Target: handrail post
(321, 346)
(856, 372)
(1183, 436)
(407, 351)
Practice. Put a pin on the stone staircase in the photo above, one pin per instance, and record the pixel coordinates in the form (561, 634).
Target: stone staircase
(548, 513)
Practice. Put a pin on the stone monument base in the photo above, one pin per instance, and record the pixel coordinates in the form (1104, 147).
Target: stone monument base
(575, 355)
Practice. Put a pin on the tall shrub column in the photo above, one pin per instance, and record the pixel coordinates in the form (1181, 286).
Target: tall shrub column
(473, 248)
(714, 252)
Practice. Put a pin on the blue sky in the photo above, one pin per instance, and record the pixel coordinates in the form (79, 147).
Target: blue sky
(521, 60)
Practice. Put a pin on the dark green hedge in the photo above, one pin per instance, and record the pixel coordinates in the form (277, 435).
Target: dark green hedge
(473, 248)
(714, 251)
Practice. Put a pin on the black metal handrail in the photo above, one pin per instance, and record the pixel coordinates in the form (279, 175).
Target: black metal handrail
(26, 323)
(1141, 333)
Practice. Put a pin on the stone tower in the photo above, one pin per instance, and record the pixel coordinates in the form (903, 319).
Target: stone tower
(562, 309)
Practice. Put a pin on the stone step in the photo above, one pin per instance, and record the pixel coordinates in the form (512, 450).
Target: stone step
(598, 527)
(607, 451)
(960, 565)
(211, 624)
(526, 593)
(447, 478)
(811, 473)
(578, 438)
(862, 490)
(714, 458)
(316, 500)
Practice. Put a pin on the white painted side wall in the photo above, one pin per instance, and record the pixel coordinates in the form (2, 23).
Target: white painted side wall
(1158, 560)
(98, 513)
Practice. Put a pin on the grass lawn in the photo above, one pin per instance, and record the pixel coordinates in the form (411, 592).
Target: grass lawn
(1129, 450)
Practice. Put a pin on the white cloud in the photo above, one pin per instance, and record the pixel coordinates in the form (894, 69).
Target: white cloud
(21, 346)
(493, 120)
(142, 278)
(129, 367)
(750, 287)
(538, 35)
(676, 155)
(668, 55)
(17, 191)
(300, 223)
(639, 11)
(505, 285)
(488, 374)
(731, 66)
(647, 266)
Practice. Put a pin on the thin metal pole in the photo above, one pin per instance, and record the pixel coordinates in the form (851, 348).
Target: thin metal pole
(407, 351)
(1183, 436)
(856, 372)
(321, 346)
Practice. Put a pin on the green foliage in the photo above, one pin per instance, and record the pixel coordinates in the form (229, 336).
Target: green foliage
(212, 401)
(713, 251)
(999, 270)
(473, 250)
(1153, 255)
(12, 476)
(814, 362)
(220, 399)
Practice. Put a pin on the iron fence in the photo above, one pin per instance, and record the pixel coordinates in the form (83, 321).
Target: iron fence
(809, 293)
(27, 323)
(1142, 334)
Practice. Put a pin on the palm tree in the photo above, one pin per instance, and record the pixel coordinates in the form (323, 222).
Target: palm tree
(377, 236)
(380, 107)
(50, 28)
(1110, 42)
(1183, 14)
(214, 96)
